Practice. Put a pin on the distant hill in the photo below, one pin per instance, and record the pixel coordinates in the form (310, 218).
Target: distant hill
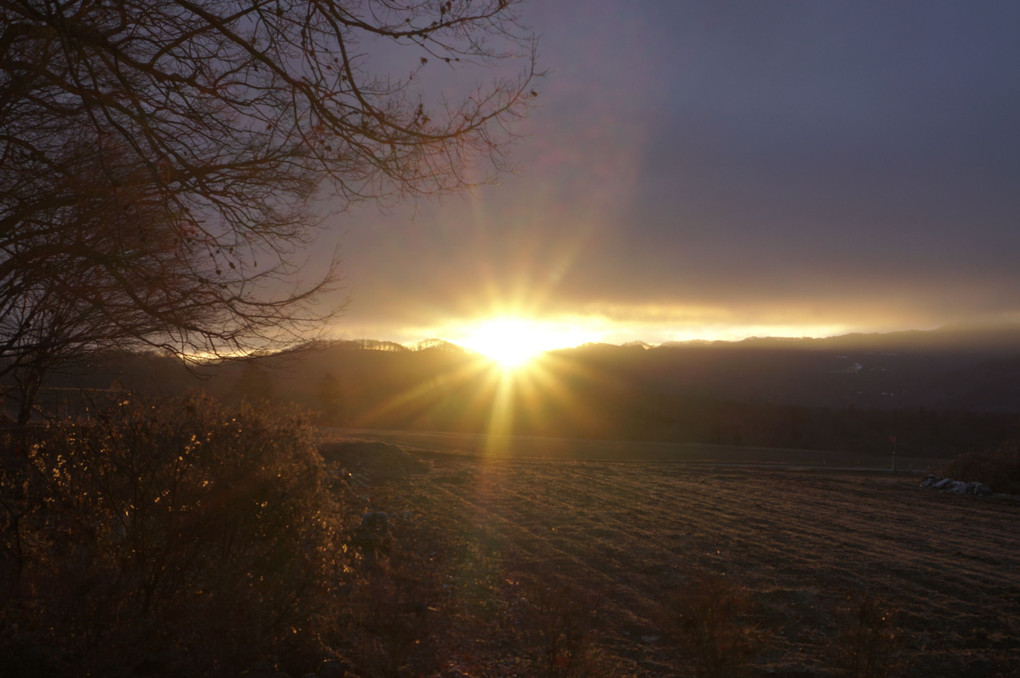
(938, 392)
(957, 367)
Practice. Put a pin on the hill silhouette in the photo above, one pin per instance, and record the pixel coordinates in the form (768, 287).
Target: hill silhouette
(938, 392)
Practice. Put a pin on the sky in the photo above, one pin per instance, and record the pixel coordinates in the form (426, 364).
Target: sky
(718, 170)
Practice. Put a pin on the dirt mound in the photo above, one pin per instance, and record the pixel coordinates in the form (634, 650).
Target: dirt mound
(377, 461)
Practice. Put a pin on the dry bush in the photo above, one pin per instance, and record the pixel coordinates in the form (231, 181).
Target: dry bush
(864, 646)
(710, 619)
(554, 622)
(396, 608)
(171, 535)
(999, 469)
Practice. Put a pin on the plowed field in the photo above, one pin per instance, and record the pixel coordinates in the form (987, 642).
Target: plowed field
(605, 566)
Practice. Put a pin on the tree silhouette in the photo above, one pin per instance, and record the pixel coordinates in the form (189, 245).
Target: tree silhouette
(254, 384)
(161, 162)
(329, 396)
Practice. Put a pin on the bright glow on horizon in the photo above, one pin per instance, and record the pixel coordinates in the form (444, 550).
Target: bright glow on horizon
(519, 338)
(517, 330)
(515, 341)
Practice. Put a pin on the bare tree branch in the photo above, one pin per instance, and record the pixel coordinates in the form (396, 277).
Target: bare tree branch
(162, 160)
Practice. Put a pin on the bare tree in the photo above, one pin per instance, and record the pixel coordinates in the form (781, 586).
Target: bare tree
(106, 271)
(161, 160)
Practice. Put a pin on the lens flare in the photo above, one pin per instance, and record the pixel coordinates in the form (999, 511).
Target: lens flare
(514, 342)
(510, 342)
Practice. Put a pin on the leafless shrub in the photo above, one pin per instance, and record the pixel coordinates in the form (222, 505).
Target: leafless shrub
(555, 624)
(395, 611)
(709, 617)
(864, 646)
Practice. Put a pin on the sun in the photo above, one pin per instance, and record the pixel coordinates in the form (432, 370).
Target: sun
(510, 342)
(514, 342)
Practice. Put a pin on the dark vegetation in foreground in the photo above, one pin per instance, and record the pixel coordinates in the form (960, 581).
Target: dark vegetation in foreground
(182, 538)
(164, 535)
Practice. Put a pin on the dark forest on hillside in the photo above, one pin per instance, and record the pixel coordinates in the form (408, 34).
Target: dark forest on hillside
(938, 393)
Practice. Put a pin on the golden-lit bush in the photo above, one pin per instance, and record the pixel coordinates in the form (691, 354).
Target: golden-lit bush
(175, 535)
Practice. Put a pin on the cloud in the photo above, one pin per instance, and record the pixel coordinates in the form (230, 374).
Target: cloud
(814, 165)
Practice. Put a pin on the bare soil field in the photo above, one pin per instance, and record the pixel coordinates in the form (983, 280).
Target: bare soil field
(507, 564)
